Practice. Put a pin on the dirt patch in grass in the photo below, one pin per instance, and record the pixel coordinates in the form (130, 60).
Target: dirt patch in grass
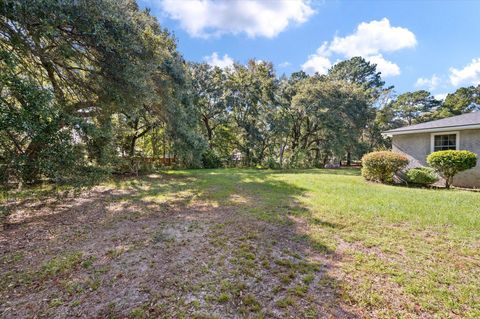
(108, 252)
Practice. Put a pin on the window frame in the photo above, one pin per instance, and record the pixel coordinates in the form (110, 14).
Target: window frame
(432, 139)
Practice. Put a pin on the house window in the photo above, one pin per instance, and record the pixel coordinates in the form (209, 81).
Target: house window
(445, 141)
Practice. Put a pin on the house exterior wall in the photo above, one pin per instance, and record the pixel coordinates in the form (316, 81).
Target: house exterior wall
(418, 146)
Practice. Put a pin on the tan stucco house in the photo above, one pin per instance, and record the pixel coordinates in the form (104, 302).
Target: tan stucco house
(460, 132)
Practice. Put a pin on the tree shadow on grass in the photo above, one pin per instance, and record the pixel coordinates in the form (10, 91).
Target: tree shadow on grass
(319, 222)
(346, 171)
(226, 243)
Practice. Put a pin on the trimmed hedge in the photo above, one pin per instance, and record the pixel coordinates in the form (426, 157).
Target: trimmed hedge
(421, 176)
(449, 163)
(382, 166)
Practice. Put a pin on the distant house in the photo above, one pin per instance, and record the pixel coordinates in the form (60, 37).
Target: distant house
(460, 132)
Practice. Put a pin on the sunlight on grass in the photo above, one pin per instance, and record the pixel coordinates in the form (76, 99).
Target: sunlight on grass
(398, 251)
(410, 237)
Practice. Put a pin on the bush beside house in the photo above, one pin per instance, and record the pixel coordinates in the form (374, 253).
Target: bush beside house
(450, 163)
(421, 176)
(382, 166)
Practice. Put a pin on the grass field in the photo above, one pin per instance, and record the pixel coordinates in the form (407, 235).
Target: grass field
(233, 243)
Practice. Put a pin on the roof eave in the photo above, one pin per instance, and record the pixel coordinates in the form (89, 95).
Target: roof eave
(433, 129)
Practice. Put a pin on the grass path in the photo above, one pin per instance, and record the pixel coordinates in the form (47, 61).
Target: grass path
(244, 244)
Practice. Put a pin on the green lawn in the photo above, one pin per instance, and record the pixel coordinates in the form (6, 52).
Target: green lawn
(417, 248)
(388, 251)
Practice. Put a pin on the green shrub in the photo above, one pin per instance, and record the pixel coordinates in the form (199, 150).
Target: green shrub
(211, 160)
(421, 176)
(271, 163)
(382, 166)
(449, 163)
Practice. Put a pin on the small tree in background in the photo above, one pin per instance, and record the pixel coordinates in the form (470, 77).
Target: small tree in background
(382, 166)
(450, 163)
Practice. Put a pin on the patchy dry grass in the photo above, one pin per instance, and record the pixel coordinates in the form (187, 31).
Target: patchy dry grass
(243, 244)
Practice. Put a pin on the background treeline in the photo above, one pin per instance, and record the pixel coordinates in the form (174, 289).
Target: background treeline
(89, 88)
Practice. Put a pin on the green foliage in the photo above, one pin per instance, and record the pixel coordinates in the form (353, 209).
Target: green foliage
(421, 176)
(299, 159)
(29, 121)
(208, 85)
(382, 166)
(331, 116)
(271, 163)
(211, 160)
(98, 85)
(250, 95)
(414, 107)
(84, 85)
(359, 71)
(463, 100)
(451, 162)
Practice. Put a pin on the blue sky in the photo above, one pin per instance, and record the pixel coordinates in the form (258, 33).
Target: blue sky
(429, 45)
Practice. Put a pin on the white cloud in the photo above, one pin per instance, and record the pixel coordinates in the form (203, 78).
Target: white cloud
(440, 96)
(285, 64)
(204, 18)
(431, 83)
(388, 68)
(318, 62)
(369, 40)
(469, 75)
(374, 37)
(215, 60)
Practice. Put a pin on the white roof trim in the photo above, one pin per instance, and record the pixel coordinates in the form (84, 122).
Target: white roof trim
(435, 129)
